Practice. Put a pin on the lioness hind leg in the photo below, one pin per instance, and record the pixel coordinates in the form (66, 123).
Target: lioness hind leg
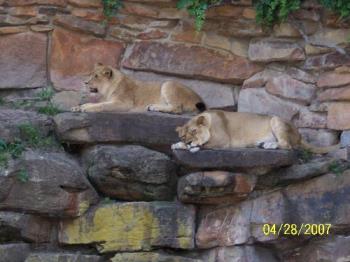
(280, 130)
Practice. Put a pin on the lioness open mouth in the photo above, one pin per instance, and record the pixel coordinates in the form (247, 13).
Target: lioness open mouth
(93, 90)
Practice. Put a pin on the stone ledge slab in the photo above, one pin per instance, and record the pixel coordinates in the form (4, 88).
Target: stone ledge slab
(235, 158)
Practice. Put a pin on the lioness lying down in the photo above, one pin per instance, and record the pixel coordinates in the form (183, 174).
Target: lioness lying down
(120, 93)
(220, 129)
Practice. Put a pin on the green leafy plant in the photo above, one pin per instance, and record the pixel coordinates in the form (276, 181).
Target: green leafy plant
(197, 9)
(110, 7)
(8, 150)
(269, 12)
(337, 167)
(49, 110)
(46, 93)
(22, 175)
(342, 7)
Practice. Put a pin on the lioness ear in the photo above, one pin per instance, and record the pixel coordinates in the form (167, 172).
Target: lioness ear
(202, 120)
(178, 129)
(108, 73)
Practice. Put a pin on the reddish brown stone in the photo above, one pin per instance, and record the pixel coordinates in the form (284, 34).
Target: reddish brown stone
(311, 119)
(190, 62)
(81, 25)
(191, 36)
(12, 29)
(333, 79)
(140, 9)
(40, 2)
(268, 50)
(74, 55)
(23, 11)
(339, 116)
(21, 66)
(152, 34)
(215, 187)
(335, 94)
(86, 3)
(224, 11)
(88, 14)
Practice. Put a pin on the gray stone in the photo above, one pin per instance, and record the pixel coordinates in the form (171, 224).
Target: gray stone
(150, 257)
(320, 137)
(332, 248)
(152, 129)
(14, 252)
(215, 187)
(257, 100)
(296, 173)
(345, 138)
(11, 121)
(235, 159)
(18, 227)
(50, 184)
(65, 100)
(62, 257)
(244, 253)
(131, 172)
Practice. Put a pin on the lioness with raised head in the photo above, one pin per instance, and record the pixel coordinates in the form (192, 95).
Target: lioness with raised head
(119, 92)
(223, 130)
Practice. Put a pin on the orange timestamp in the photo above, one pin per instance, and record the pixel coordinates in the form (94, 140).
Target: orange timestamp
(296, 230)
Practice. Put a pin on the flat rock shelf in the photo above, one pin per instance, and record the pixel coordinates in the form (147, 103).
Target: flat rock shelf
(235, 158)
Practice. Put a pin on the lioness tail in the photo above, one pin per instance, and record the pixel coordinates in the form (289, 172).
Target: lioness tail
(201, 106)
(318, 150)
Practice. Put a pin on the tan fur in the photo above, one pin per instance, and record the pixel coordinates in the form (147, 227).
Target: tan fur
(220, 129)
(121, 93)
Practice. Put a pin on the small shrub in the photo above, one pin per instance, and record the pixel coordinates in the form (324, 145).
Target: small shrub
(22, 176)
(342, 7)
(49, 110)
(46, 94)
(110, 7)
(337, 167)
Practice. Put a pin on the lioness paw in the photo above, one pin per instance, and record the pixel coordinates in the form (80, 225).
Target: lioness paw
(270, 145)
(179, 145)
(75, 109)
(151, 108)
(194, 149)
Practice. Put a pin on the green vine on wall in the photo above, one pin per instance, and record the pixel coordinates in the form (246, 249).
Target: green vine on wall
(268, 12)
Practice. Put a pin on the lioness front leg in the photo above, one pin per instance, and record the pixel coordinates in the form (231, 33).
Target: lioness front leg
(163, 108)
(100, 107)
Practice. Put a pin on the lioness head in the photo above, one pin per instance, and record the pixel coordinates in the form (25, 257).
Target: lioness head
(196, 131)
(100, 78)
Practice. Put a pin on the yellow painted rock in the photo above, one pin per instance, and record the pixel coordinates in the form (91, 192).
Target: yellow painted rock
(133, 226)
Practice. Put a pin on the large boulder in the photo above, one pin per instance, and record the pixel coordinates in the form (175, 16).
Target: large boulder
(339, 116)
(320, 200)
(194, 62)
(155, 129)
(215, 187)
(131, 172)
(18, 226)
(133, 226)
(20, 66)
(12, 120)
(50, 184)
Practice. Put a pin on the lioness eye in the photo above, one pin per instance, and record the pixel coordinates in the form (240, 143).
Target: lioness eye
(96, 76)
